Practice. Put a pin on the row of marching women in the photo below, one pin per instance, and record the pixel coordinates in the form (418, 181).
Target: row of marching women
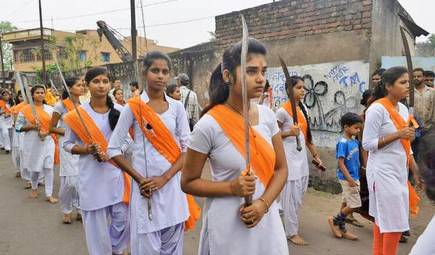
(131, 171)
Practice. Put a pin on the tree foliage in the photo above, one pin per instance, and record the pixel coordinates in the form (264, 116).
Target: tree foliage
(6, 26)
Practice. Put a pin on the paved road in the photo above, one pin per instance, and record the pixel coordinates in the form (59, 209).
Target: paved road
(33, 227)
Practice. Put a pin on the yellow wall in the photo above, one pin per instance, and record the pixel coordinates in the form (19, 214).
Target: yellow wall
(91, 44)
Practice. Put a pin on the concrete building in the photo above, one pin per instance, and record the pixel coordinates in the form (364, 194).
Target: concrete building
(89, 48)
(333, 44)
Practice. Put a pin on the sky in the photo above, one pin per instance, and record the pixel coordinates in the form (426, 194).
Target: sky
(175, 23)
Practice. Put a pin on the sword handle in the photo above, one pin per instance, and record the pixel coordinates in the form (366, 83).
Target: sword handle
(248, 199)
(298, 144)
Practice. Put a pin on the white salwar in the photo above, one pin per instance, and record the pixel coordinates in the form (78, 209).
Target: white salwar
(298, 175)
(101, 188)
(69, 171)
(223, 232)
(164, 234)
(38, 155)
(387, 171)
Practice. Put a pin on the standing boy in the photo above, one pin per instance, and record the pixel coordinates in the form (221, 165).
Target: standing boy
(347, 154)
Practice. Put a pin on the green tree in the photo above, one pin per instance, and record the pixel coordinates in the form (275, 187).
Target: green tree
(431, 40)
(6, 26)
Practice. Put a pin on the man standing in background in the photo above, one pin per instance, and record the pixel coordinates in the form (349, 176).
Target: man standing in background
(189, 99)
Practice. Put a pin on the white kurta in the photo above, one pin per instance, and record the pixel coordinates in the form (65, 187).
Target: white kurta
(68, 162)
(37, 154)
(169, 204)
(297, 161)
(425, 243)
(387, 171)
(223, 232)
(5, 128)
(100, 183)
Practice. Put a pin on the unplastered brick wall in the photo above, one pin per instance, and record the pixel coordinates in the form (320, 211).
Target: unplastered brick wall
(295, 18)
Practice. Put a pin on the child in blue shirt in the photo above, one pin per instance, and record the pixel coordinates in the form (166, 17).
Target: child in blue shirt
(347, 154)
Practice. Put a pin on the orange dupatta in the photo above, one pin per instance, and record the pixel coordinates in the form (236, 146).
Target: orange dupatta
(163, 141)
(302, 122)
(400, 123)
(73, 121)
(262, 154)
(68, 103)
(44, 119)
(4, 107)
(17, 108)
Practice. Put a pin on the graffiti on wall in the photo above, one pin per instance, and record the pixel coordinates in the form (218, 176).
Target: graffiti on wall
(331, 90)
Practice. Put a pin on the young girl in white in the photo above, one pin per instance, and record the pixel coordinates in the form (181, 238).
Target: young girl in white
(230, 226)
(103, 190)
(159, 208)
(297, 161)
(69, 171)
(38, 145)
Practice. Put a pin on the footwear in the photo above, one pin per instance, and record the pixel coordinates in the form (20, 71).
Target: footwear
(79, 217)
(406, 233)
(403, 239)
(52, 200)
(7, 151)
(34, 193)
(334, 228)
(67, 219)
(297, 240)
(28, 185)
(349, 236)
(18, 175)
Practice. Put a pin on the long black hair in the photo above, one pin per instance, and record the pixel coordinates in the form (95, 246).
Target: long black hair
(293, 81)
(219, 90)
(389, 77)
(69, 83)
(114, 113)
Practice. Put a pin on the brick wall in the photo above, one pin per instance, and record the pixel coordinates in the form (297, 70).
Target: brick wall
(295, 18)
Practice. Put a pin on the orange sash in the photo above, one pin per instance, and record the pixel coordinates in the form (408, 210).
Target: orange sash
(73, 121)
(262, 154)
(17, 108)
(68, 103)
(302, 122)
(4, 107)
(163, 141)
(44, 119)
(400, 123)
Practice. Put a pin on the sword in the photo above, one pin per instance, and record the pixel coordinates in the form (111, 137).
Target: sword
(291, 97)
(23, 91)
(96, 155)
(54, 87)
(148, 127)
(28, 94)
(245, 101)
(409, 63)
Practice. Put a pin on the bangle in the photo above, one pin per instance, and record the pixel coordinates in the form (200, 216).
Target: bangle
(266, 203)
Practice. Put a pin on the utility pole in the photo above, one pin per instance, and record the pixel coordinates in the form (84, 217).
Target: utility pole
(3, 65)
(41, 28)
(133, 30)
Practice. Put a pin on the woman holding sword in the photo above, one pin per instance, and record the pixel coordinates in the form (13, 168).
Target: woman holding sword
(297, 160)
(104, 190)
(38, 154)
